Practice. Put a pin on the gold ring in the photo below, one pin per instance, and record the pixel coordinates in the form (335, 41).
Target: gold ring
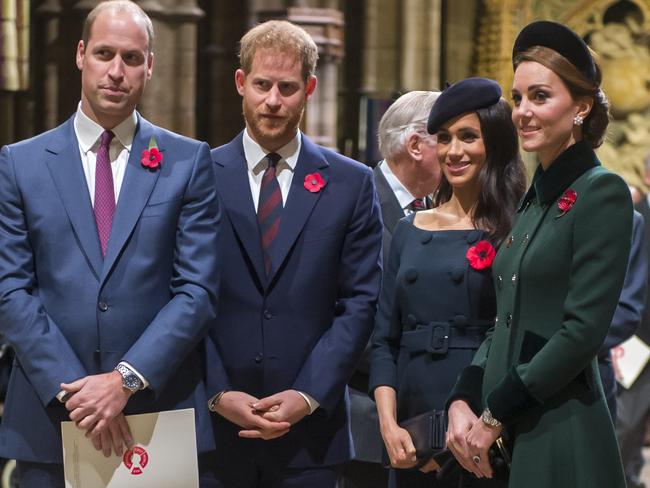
(476, 459)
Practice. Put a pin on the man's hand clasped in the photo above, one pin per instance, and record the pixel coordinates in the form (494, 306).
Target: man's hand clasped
(265, 418)
(95, 404)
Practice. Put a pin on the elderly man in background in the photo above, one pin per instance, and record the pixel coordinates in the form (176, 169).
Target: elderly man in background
(405, 179)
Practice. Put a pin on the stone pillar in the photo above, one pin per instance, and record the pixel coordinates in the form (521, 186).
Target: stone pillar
(170, 97)
(219, 109)
(459, 39)
(421, 45)
(56, 80)
(380, 56)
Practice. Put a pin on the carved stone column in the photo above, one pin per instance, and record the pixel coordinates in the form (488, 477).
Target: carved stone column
(420, 46)
(219, 108)
(380, 56)
(170, 97)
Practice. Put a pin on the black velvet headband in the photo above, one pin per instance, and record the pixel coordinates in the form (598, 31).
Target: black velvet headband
(560, 39)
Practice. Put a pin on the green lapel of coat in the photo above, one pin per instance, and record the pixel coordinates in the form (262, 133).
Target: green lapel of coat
(569, 166)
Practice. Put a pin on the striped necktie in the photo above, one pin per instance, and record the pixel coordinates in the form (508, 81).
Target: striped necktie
(104, 207)
(269, 208)
(417, 204)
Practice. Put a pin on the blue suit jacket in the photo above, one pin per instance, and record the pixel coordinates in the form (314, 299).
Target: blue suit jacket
(304, 327)
(159, 280)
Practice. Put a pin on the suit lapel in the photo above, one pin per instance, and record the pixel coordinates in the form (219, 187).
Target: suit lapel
(391, 211)
(234, 189)
(137, 186)
(300, 202)
(64, 163)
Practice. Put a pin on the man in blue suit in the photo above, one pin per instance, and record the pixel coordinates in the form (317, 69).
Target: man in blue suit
(301, 248)
(108, 262)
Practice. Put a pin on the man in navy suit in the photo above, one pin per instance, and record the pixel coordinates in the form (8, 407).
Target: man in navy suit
(108, 263)
(301, 246)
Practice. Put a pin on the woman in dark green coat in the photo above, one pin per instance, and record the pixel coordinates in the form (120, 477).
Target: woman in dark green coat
(558, 278)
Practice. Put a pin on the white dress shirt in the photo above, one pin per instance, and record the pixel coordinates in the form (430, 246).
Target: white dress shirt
(255, 158)
(88, 133)
(403, 196)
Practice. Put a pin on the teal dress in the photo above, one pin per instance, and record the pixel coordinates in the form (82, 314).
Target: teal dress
(434, 312)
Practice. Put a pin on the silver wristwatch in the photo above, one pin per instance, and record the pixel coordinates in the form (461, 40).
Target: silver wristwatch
(130, 380)
(488, 419)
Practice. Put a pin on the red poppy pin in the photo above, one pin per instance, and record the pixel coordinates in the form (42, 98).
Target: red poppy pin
(481, 255)
(314, 182)
(152, 157)
(566, 201)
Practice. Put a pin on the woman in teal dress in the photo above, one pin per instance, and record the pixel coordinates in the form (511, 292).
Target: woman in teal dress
(437, 300)
(558, 278)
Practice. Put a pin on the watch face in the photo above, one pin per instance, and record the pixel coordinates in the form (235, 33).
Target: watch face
(131, 381)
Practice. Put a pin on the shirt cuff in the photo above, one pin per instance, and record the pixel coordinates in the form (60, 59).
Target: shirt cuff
(145, 383)
(313, 404)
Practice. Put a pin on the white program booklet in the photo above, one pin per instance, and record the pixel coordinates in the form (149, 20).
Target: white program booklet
(629, 360)
(164, 455)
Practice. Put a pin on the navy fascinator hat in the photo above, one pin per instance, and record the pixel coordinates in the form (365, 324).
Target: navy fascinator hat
(465, 96)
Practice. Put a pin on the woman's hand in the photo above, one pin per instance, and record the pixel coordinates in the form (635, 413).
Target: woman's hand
(479, 440)
(398, 442)
(460, 421)
(399, 445)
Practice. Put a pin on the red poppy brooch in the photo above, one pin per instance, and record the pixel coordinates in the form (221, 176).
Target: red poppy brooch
(566, 201)
(314, 182)
(481, 255)
(152, 157)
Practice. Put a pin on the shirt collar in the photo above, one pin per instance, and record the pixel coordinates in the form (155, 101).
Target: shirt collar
(255, 153)
(567, 167)
(88, 131)
(404, 197)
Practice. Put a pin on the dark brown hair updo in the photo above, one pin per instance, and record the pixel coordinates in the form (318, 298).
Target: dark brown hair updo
(595, 124)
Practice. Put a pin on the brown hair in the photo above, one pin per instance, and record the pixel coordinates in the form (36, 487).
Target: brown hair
(281, 36)
(596, 122)
(118, 6)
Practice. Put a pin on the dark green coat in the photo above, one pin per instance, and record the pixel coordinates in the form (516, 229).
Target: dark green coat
(558, 279)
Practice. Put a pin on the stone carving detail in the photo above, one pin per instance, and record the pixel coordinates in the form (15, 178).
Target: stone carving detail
(619, 32)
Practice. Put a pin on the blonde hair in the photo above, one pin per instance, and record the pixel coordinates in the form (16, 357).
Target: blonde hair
(281, 36)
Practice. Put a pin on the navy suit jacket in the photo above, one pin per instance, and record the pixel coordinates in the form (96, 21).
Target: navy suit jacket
(158, 282)
(305, 326)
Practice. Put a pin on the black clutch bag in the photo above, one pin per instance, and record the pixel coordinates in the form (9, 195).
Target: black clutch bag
(428, 432)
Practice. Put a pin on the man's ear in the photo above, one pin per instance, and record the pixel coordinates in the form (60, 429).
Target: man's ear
(81, 52)
(150, 59)
(240, 79)
(310, 87)
(412, 146)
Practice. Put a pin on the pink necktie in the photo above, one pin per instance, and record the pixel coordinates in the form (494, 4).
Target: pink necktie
(104, 192)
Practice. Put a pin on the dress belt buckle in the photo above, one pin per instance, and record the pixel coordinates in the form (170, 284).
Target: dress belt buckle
(439, 343)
